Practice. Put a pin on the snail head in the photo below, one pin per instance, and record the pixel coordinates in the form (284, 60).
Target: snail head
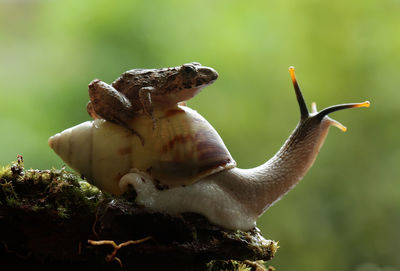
(318, 117)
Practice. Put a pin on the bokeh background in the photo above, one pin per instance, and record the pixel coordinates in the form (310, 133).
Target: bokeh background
(345, 214)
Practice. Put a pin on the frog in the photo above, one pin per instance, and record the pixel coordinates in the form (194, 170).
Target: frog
(141, 91)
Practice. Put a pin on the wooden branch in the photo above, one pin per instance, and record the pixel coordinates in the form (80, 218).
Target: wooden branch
(52, 218)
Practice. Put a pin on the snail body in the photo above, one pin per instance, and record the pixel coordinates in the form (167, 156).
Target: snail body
(184, 166)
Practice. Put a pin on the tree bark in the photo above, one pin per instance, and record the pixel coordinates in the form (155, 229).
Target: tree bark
(51, 219)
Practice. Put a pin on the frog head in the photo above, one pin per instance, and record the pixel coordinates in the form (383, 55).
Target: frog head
(194, 75)
(187, 80)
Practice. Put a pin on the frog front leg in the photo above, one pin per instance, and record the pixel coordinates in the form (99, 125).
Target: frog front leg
(111, 105)
(146, 101)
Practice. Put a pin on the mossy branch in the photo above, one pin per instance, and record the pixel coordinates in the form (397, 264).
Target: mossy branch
(48, 216)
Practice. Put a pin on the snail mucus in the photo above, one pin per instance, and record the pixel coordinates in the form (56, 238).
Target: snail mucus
(171, 155)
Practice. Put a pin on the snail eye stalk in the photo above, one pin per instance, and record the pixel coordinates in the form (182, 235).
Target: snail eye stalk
(338, 107)
(300, 99)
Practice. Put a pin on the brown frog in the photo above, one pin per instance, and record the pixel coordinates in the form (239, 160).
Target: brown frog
(140, 91)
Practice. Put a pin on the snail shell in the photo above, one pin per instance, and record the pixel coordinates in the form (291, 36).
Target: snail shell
(181, 149)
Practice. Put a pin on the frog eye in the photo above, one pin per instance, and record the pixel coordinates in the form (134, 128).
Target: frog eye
(188, 68)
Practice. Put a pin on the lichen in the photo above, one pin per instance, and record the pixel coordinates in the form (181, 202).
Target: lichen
(56, 191)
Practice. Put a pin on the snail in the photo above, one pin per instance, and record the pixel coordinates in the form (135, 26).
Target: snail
(184, 166)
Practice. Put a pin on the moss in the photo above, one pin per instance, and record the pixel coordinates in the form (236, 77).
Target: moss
(13, 203)
(254, 240)
(54, 191)
(233, 265)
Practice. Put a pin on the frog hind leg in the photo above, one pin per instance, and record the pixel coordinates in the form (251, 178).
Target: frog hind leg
(111, 105)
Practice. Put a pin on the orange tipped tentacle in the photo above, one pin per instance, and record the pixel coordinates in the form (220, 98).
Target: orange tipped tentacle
(338, 107)
(299, 95)
(338, 125)
(334, 108)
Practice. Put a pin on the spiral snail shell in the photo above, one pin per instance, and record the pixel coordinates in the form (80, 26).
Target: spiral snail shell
(182, 149)
(181, 164)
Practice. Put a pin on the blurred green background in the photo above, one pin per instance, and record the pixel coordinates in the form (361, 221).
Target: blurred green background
(344, 215)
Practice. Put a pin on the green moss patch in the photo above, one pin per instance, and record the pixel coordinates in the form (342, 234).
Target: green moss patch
(233, 265)
(56, 191)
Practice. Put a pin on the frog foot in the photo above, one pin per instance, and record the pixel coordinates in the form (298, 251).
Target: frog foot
(112, 256)
(91, 111)
(147, 104)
